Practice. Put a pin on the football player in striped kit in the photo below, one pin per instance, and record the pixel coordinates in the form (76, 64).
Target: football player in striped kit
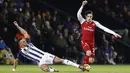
(29, 51)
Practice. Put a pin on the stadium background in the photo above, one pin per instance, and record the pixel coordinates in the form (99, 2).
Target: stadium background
(114, 15)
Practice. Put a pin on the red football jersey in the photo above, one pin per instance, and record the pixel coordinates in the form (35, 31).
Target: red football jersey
(88, 30)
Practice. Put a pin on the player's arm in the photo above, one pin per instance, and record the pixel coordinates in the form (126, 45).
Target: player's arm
(107, 30)
(15, 64)
(21, 30)
(79, 16)
(16, 61)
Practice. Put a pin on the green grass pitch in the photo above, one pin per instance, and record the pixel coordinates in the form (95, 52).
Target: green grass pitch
(67, 69)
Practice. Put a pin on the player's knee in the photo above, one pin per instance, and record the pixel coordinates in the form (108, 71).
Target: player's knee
(88, 53)
(57, 60)
(91, 60)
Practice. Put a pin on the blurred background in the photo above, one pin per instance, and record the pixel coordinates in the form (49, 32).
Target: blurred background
(54, 28)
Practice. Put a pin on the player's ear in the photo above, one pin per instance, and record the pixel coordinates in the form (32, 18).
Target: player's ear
(85, 16)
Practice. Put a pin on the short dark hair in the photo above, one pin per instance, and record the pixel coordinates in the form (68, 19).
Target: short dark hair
(88, 12)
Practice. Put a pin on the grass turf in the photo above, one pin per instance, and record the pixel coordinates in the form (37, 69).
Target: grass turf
(67, 69)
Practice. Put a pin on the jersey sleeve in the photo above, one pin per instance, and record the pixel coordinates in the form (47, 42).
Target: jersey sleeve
(79, 16)
(18, 55)
(104, 28)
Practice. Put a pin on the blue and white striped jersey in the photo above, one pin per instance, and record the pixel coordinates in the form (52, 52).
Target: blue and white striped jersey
(32, 53)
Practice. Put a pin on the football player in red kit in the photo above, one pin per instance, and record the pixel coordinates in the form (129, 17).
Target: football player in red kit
(88, 26)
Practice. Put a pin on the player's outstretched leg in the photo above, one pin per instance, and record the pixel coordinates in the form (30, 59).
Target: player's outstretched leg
(68, 62)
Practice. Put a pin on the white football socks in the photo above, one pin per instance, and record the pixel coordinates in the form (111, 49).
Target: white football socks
(68, 62)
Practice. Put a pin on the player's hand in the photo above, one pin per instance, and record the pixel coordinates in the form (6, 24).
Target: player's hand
(84, 3)
(15, 23)
(13, 70)
(117, 36)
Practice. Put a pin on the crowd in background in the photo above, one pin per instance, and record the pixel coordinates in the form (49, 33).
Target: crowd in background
(59, 34)
(118, 9)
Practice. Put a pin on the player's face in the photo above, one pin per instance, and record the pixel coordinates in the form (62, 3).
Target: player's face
(89, 17)
(23, 42)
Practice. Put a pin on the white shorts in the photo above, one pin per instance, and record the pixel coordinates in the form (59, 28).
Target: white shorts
(46, 59)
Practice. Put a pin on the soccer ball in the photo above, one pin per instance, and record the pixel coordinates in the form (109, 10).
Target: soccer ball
(87, 67)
